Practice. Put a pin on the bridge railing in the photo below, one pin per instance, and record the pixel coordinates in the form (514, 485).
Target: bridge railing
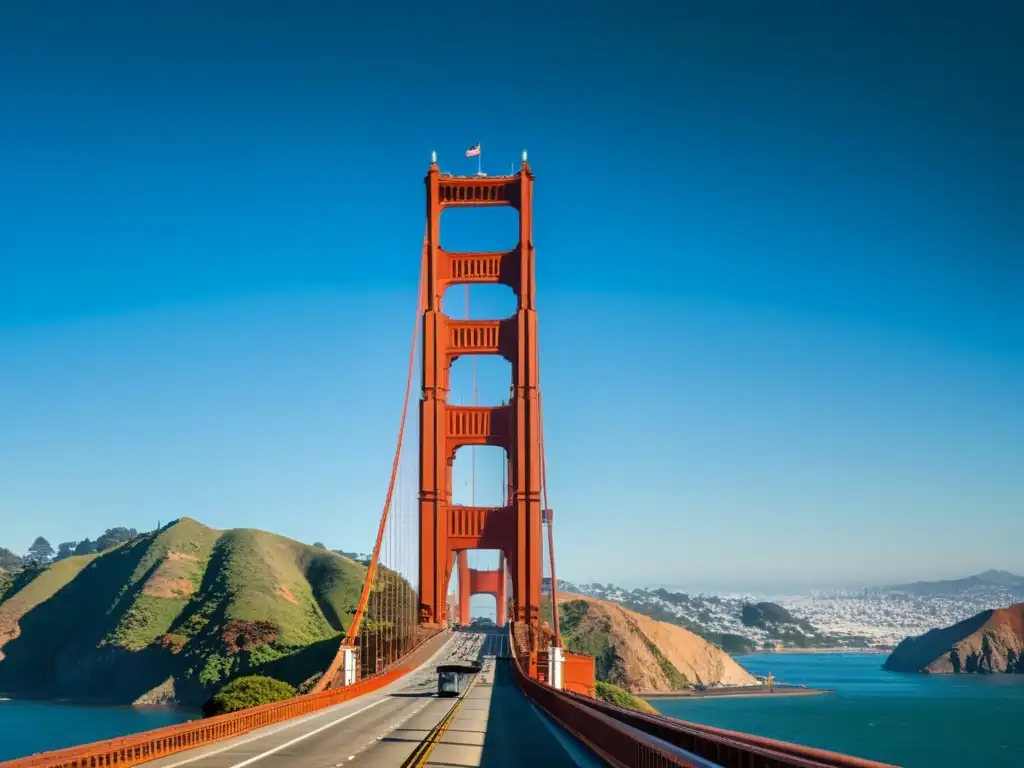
(625, 737)
(726, 747)
(142, 747)
(615, 742)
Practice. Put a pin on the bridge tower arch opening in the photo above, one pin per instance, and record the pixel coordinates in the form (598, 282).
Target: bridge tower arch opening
(481, 581)
(515, 527)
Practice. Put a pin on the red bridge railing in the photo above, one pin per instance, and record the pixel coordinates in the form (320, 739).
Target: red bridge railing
(142, 747)
(626, 738)
(726, 748)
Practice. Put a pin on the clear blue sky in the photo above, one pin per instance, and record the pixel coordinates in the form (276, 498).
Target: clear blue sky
(780, 258)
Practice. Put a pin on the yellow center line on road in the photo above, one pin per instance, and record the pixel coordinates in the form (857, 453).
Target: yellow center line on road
(421, 754)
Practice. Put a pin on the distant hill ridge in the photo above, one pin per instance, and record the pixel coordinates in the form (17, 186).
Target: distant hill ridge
(951, 587)
(735, 625)
(992, 641)
(171, 615)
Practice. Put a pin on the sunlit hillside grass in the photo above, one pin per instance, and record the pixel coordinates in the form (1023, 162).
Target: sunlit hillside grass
(173, 614)
(637, 653)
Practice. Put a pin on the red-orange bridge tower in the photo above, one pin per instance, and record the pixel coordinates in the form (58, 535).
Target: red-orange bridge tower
(445, 528)
(473, 581)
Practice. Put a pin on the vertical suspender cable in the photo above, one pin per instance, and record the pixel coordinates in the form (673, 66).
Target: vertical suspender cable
(386, 585)
(371, 571)
(544, 491)
(400, 566)
(392, 573)
(399, 570)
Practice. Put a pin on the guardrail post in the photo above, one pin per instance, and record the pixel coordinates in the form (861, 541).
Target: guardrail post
(556, 657)
(348, 666)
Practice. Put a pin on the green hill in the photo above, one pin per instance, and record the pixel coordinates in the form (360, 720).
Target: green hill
(172, 615)
(622, 698)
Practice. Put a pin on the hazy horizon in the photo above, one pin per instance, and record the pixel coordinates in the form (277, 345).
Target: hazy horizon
(778, 263)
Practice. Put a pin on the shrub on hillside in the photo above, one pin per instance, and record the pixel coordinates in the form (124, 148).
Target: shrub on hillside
(172, 642)
(246, 692)
(612, 694)
(240, 635)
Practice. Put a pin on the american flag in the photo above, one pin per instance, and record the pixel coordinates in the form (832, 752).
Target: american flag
(473, 151)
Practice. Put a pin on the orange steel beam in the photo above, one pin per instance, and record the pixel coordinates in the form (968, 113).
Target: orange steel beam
(464, 588)
(483, 582)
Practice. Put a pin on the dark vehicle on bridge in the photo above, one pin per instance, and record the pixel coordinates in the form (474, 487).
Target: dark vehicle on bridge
(454, 679)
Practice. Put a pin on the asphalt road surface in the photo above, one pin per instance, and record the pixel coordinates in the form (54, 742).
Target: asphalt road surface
(495, 726)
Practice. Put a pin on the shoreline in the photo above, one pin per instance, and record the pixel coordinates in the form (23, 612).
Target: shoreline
(738, 692)
(99, 704)
(783, 651)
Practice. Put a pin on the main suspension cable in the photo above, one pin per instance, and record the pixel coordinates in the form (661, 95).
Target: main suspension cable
(353, 628)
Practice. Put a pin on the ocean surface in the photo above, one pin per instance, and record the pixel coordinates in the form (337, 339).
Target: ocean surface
(917, 721)
(28, 727)
(910, 720)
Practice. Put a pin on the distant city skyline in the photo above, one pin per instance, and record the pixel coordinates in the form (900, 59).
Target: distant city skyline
(778, 260)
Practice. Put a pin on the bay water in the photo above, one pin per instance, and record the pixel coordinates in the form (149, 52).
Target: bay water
(938, 721)
(27, 727)
(912, 720)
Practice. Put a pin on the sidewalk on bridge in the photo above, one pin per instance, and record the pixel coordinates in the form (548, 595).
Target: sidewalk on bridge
(497, 726)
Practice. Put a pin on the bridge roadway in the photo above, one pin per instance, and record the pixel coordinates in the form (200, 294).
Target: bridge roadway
(495, 727)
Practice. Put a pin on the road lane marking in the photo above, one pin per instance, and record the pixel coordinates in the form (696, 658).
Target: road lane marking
(408, 680)
(422, 752)
(305, 736)
(286, 725)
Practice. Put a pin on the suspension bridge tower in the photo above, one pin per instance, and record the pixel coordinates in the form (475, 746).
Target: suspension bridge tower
(473, 581)
(447, 529)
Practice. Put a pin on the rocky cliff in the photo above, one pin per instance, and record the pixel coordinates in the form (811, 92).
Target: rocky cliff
(638, 653)
(992, 641)
(171, 615)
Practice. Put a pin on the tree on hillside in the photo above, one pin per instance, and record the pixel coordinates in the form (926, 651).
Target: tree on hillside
(10, 561)
(359, 558)
(65, 549)
(319, 545)
(5, 583)
(114, 536)
(40, 552)
(85, 547)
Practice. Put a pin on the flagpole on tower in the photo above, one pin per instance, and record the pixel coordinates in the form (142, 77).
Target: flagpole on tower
(474, 151)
